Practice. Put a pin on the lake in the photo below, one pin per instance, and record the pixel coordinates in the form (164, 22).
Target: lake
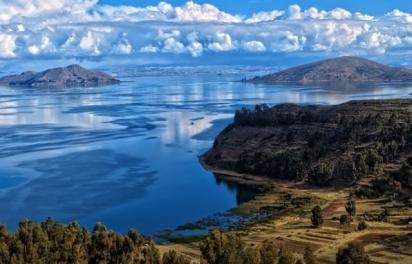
(127, 155)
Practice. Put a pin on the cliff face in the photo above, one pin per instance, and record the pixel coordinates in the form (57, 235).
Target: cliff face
(323, 145)
(339, 69)
(71, 76)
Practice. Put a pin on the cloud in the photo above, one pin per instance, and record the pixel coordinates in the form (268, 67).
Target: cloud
(85, 28)
(289, 42)
(206, 13)
(149, 49)
(90, 43)
(264, 16)
(195, 47)
(41, 46)
(123, 47)
(254, 46)
(13, 10)
(8, 45)
(222, 42)
(172, 45)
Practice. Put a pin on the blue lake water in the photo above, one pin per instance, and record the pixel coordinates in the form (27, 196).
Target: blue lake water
(127, 155)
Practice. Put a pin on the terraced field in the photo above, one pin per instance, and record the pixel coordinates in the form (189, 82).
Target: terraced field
(385, 242)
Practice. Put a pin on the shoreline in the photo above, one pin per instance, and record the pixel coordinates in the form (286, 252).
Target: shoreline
(240, 178)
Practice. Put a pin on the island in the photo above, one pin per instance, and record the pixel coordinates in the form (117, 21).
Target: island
(70, 76)
(347, 68)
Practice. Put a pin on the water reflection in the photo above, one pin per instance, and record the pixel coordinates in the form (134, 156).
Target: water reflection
(244, 192)
(127, 154)
(72, 186)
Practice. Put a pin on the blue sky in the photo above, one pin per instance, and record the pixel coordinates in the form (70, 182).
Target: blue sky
(373, 7)
(183, 32)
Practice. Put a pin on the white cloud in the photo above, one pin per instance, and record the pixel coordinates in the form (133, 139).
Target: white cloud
(206, 12)
(172, 45)
(222, 42)
(340, 13)
(401, 16)
(264, 16)
(45, 45)
(195, 47)
(254, 46)
(123, 47)
(189, 12)
(8, 46)
(149, 49)
(15, 9)
(289, 42)
(361, 16)
(295, 12)
(82, 28)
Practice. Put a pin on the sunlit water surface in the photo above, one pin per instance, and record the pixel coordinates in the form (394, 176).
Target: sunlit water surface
(127, 155)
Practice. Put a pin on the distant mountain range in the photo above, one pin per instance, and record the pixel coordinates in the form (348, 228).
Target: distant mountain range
(338, 69)
(71, 76)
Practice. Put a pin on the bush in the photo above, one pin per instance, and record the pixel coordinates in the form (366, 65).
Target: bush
(171, 257)
(268, 253)
(351, 208)
(353, 253)
(321, 174)
(344, 219)
(309, 256)
(362, 225)
(286, 257)
(317, 218)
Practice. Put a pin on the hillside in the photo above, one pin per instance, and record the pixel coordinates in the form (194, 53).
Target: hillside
(338, 69)
(321, 145)
(71, 76)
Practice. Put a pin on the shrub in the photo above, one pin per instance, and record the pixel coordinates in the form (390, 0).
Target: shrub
(317, 218)
(351, 208)
(344, 219)
(353, 253)
(309, 256)
(362, 225)
(171, 257)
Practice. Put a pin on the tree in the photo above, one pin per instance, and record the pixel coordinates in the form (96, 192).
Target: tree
(220, 248)
(362, 225)
(351, 208)
(322, 173)
(317, 218)
(344, 219)
(286, 257)
(309, 256)
(373, 159)
(353, 253)
(268, 253)
(171, 257)
(50, 242)
(251, 256)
